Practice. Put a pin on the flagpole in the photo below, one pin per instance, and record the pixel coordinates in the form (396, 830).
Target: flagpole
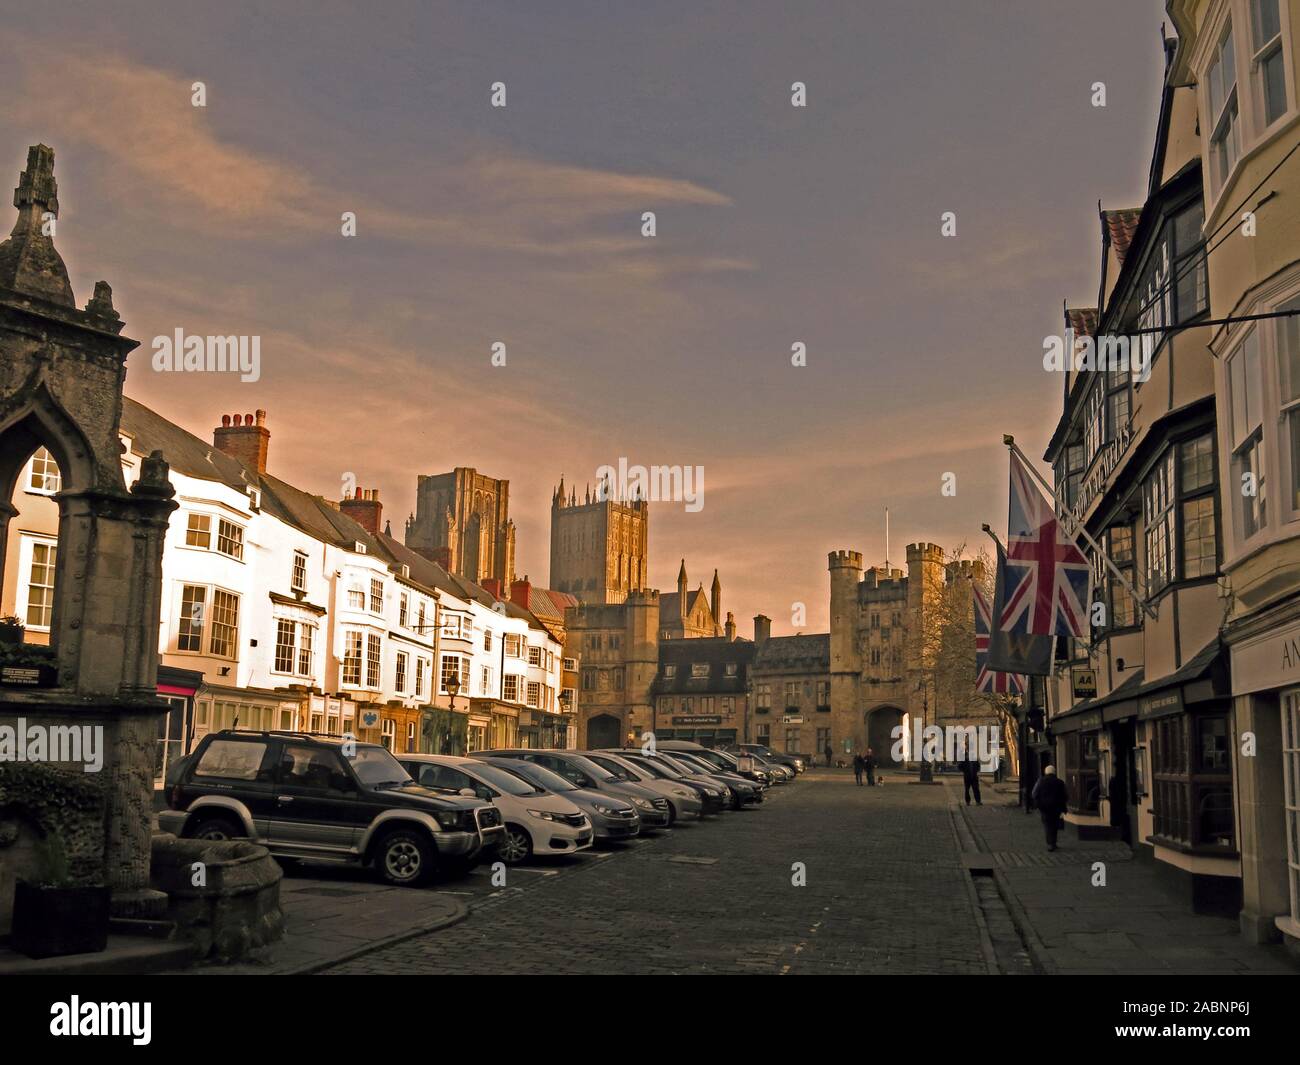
(1079, 529)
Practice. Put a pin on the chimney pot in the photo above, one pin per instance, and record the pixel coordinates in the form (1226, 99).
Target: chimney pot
(225, 420)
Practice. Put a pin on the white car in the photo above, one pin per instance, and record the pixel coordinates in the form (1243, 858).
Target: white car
(536, 821)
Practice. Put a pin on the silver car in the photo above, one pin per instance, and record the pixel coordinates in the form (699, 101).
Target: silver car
(684, 803)
(611, 817)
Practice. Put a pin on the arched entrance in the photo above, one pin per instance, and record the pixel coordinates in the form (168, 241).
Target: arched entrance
(604, 730)
(880, 724)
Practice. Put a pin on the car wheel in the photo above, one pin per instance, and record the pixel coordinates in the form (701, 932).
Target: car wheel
(515, 845)
(217, 827)
(404, 857)
(672, 814)
(736, 804)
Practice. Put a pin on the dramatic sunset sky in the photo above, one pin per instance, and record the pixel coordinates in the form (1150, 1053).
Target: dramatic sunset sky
(522, 225)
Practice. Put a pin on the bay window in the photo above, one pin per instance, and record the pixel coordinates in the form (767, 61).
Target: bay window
(1179, 514)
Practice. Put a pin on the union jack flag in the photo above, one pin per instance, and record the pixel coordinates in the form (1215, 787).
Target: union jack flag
(1048, 574)
(990, 680)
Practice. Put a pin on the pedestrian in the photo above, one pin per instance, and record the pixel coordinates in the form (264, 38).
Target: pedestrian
(869, 767)
(829, 752)
(857, 769)
(970, 777)
(1050, 796)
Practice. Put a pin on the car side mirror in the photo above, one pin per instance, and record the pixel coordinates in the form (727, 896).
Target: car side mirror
(340, 781)
(469, 793)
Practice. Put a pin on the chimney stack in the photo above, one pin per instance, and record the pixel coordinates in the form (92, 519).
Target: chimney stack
(244, 439)
(762, 627)
(365, 509)
(521, 592)
(731, 627)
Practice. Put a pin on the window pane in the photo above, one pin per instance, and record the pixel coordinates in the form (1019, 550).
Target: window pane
(1267, 23)
(193, 602)
(198, 531)
(40, 586)
(1273, 76)
(225, 623)
(304, 650)
(1288, 343)
(230, 539)
(1293, 421)
(1198, 463)
(285, 631)
(1198, 537)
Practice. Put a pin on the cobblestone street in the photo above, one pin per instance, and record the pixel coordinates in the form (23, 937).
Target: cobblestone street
(885, 892)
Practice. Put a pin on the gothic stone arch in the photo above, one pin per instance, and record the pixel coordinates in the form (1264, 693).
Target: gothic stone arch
(61, 374)
(880, 722)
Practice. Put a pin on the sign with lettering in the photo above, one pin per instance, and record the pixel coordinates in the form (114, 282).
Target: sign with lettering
(698, 719)
(1102, 467)
(1168, 702)
(1084, 683)
(1270, 660)
(28, 676)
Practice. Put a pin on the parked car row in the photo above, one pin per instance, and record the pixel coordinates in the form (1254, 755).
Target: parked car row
(330, 799)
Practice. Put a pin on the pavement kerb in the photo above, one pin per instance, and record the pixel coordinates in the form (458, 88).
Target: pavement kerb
(972, 896)
(1037, 949)
(461, 913)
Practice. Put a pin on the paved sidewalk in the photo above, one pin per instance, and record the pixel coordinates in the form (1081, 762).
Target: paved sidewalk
(331, 921)
(1131, 925)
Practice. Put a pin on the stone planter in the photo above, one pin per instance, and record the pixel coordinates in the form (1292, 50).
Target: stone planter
(223, 896)
(50, 922)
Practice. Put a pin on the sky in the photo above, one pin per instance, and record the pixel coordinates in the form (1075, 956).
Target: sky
(522, 225)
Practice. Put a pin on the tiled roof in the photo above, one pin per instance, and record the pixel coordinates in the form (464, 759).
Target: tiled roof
(1083, 320)
(313, 514)
(716, 651)
(811, 653)
(1120, 226)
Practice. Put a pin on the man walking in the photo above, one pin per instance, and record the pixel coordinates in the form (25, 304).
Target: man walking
(829, 752)
(1050, 795)
(869, 767)
(857, 769)
(970, 777)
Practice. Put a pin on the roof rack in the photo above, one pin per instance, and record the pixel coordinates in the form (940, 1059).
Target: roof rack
(289, 732)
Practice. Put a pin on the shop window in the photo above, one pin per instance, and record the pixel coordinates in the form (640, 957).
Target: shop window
(1082, 772)
(1192, 780)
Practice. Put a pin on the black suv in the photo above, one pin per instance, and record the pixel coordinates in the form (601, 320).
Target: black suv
(325, 798)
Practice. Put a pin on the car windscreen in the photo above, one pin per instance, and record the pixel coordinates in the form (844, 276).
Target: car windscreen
(374, 767)
(542, 777)
(675, 765)
(617, 768)
(655, 767)
(504, 780)
(590, 768)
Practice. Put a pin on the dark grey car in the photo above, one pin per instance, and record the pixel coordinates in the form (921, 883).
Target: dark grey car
(612, 818)
(584, 773)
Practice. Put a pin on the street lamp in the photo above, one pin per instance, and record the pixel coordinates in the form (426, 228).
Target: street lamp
(927, 770)
(453, 688)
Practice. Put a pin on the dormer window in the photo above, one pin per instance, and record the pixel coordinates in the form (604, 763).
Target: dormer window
(699, 669)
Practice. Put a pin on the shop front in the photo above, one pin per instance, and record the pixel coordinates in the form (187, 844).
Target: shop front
(178, 689)
(708, 730)
(448, 731)
(1265, 656)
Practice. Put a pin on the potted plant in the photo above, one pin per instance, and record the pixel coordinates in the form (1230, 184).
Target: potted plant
(53, 917)
(11, 629)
